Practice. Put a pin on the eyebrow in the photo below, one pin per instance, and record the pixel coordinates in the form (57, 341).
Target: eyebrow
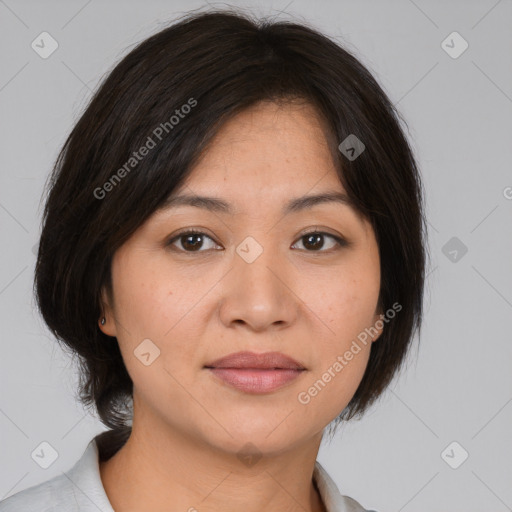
(215, 204)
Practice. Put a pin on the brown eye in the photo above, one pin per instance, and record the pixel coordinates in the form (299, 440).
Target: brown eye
(190, 241)
(315, 241)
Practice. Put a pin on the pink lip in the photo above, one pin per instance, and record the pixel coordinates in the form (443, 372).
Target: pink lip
(254, 380)
(267, 360)
(256, 373)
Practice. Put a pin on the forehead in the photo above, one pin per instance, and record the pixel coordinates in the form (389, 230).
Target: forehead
(265, 153)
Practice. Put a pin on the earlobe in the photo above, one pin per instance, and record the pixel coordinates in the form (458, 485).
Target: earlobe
(106, 321)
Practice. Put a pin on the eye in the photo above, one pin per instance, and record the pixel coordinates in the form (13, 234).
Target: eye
(314, 240)
(191, 240)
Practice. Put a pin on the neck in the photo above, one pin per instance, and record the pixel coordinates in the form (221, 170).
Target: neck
(180, 473)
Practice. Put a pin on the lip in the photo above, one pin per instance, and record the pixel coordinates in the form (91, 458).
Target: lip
(267, 360)
(256, 373)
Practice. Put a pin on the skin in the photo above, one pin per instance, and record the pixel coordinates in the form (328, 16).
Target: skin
(305, 300)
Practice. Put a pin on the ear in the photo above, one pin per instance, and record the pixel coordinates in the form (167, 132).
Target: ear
(109, 327)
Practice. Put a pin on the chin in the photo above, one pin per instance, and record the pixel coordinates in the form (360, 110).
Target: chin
(270, 436)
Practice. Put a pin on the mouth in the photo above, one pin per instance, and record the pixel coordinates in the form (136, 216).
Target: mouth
(256, 373)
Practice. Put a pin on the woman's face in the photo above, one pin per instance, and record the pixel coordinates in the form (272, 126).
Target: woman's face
(250, 282)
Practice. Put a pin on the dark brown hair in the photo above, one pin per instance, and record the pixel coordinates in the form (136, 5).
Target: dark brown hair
(219, 63)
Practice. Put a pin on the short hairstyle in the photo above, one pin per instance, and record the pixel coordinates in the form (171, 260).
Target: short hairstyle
(176, 89)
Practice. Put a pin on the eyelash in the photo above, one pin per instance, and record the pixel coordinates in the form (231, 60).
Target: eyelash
(341, 242)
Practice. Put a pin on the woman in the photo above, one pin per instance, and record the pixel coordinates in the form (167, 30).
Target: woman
(233, 246)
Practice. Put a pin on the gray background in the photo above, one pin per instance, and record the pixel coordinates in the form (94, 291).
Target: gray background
(457, 385)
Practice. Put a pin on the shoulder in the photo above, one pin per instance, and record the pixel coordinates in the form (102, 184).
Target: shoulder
(332, 499)
(77, 489)
(351, 505)
(53, 495)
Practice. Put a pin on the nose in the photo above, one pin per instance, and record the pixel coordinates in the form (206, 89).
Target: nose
(258, 291)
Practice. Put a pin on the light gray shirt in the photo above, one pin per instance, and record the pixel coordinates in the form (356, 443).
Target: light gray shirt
(81, 489)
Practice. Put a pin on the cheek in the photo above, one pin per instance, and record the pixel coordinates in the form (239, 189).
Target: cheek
(143, 289)
(347, 307)
(329, 390)
(346, 302)
(154, 303)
